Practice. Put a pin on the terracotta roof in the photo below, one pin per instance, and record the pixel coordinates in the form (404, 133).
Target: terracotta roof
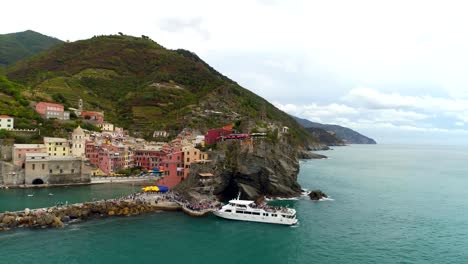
(5, 116)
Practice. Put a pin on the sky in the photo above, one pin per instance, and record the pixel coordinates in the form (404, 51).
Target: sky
(396, 71)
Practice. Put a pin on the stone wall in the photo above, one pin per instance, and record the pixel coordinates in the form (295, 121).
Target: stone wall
(10, 175)
(6, 149)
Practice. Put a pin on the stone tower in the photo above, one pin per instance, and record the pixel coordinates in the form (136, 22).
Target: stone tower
(80, 105)
(78, 142)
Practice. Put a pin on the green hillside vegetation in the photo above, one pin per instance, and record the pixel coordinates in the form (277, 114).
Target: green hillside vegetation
(21, 45)
(143, 87)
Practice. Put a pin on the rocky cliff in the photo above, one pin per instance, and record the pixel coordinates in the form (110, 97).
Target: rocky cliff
(255, 168)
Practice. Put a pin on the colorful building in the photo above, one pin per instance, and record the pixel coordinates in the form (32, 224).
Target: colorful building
(20, 150)
(148, 159)
(52, 110)
(213, 135)
(192, 155)
(6, 122)
(173, 166)
(109, 158)
(57, 146)
(96, 117)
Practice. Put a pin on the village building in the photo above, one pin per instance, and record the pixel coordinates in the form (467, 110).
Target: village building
(213, 135)
(6, 122)
(192, 155)
(78, 142)
(40, 168)
(160, 134)
(173, 165)
(20, 151)
(57, 146)
(149, 158)
(109, 158)
(106, 127)
(92, 116)
(52, 110)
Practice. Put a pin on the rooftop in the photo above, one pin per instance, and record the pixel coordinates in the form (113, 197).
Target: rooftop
(5, 116)
(53, 139)
(28, 146)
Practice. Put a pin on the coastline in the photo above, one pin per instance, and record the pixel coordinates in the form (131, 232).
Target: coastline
(99, 180)
(59, 216)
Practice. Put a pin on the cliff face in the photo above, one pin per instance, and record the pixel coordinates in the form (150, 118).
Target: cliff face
(259, 168)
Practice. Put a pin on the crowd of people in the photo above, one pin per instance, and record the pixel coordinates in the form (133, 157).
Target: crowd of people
(201, 206)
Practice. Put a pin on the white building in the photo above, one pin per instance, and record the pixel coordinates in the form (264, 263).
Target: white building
(106, 127)
(78, 142)
(6, 122)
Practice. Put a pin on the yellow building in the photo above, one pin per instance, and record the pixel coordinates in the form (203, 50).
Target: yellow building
(57, 146)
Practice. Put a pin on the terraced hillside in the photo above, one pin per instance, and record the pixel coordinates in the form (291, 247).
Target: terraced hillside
(142, 86)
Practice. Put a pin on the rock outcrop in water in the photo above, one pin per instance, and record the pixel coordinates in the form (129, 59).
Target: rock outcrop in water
(254, 168)
(317, 195)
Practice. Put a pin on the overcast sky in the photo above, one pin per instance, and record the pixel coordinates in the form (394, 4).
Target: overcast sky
(394, 70)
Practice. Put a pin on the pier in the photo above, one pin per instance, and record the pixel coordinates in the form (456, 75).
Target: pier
(59, 215)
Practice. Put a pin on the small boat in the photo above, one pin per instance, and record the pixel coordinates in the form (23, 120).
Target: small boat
(51, 194)
(245, 210)
(30, 195)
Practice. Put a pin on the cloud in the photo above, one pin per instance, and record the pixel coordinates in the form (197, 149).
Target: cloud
(178, 25)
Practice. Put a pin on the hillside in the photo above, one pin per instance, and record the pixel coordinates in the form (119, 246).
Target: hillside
(326, 137)
(142, 87)
(20, 45)
(348, 135)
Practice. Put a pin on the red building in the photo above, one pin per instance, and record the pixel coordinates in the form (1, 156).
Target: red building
(173, 165)
(97, 117)
(148, 159)
(213, 135)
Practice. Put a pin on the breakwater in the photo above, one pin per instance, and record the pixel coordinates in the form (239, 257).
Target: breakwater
(58, 216)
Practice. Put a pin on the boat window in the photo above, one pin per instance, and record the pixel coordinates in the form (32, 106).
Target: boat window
(265, 214)
(274, 215)
(228, 211)
(239, 212)
(254, 213)
(246, 212)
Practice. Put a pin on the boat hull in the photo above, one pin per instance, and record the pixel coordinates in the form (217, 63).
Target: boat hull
(255, 218)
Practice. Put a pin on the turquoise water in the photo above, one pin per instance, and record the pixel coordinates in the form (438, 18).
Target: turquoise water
(391, 204)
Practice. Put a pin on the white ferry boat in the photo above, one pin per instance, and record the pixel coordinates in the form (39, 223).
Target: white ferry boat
(245, 210)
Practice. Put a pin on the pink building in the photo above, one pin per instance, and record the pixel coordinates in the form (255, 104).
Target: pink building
(109, 158)
(20, 150)
(52, 110)
(173, 166)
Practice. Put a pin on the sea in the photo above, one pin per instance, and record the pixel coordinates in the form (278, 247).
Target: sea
(387, 204)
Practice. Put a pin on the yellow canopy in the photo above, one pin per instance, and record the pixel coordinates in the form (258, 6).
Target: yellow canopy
(150, 189)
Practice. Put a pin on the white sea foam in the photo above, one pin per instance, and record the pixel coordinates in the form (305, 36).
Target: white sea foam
(326, 199)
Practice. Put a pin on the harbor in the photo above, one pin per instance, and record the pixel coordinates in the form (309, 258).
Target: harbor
(134, 204)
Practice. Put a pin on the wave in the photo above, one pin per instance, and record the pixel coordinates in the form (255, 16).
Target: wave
(282, 199)
(326, 199)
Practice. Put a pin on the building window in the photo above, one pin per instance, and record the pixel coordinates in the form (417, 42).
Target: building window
(61, 171)
(34, 166)
(73, 171)
(43, 166)
(188, 159)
